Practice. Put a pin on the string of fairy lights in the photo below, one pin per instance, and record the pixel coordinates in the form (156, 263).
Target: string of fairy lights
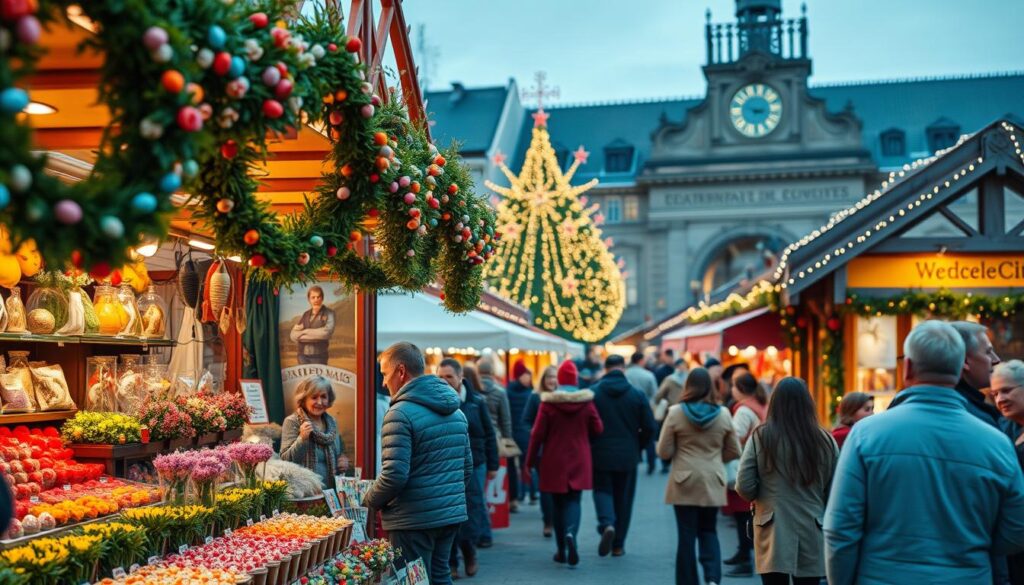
(551, 258)
(764, 290)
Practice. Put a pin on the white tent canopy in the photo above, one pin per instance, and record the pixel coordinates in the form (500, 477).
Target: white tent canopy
(421, 319)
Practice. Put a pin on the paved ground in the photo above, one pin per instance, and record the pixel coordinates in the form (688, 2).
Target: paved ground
(522, 555)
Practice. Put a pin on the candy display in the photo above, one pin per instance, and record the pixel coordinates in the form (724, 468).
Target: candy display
(154, 314)
(110, 313)
(177, 576)
(101, 383)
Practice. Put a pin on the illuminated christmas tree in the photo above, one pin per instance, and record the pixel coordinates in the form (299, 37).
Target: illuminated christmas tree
(551, 258)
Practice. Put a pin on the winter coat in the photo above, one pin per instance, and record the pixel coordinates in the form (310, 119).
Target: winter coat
(481, 432)
(976, 404)
(698, 437)
(628, 423)
(518, 398)
(671, 390)
(532, 410)
(497, 406)
(565, 423)
(787, 514)
(643, 380)
(427, 459)
(294, 447)
(923, 493)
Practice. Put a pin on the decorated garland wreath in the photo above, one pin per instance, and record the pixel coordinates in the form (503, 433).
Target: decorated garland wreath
(195, 89)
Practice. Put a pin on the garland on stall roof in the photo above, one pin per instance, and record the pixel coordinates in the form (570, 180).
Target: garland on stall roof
(195, 89)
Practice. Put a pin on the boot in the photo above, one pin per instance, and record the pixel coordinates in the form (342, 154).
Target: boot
(469, 560)
(744, 569)
(739, 558)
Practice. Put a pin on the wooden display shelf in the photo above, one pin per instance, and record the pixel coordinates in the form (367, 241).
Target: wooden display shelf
(84, 339)
(36, 417)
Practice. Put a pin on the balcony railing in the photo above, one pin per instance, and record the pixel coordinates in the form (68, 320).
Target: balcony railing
(728, 42)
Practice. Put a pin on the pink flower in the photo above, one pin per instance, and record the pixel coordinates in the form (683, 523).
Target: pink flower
(250, 453)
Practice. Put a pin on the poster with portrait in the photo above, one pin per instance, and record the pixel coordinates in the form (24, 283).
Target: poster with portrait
(317, 331)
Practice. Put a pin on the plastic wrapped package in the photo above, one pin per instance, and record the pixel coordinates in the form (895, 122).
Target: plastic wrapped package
(133, 325)
(19, 368)
(51, 387)
(153, 311)
(131, 385)
(15, 312)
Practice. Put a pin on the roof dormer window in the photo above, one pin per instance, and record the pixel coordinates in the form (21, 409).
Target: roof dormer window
(942, 133)
(618, 157)
(894, 142)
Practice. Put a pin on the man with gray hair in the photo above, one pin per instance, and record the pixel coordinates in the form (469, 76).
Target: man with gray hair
(421, 486)
(979, 362)
(926, 492)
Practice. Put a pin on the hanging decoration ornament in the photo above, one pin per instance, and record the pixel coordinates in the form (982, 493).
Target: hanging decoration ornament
(556, 264)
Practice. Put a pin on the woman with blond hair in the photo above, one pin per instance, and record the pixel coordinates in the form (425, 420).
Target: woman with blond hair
(309, 436)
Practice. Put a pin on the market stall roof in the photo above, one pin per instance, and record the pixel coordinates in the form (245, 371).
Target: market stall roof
(421, 319)
(758, 328)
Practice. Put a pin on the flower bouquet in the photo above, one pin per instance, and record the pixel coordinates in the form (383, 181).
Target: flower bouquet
(166, 421)
(174, 471)
(275, 493)
(204, 416)
(207, 467)
(234, 504)
(123, 544)
(377, 554)
(233, 407)
(102, 428)
(247, 457)
(169, 527)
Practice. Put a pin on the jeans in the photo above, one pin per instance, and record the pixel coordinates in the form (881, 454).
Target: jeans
(613, 501)
(476, 506)
(652, 456)
(469, 531)
(743, 532)
(514, 491)
(566, 516)
(697, 523)
(433, 545)
(783, 579)
(533, 488)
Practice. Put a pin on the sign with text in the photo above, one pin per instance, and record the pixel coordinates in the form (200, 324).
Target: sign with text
(931, 271)
(252, 390)
(766, 193)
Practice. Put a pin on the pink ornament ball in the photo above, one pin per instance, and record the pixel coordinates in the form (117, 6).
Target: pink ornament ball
(190, 119)
(28, 30)
(393, 187)
(154, 38)
(410, 253)
(67, 212)
(367, 111)
(409, 198)
(271, 76)
(343, 193)
(404, 181)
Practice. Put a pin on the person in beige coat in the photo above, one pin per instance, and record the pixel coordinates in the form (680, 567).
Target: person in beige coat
(786, 472)
(698, 437)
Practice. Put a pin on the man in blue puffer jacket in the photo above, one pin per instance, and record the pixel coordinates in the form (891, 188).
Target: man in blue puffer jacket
(924, 493)
(427, 462)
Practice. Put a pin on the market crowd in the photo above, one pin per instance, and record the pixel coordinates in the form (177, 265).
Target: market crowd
(930, 491)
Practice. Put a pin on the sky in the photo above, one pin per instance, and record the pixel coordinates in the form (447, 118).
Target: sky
(609, 50)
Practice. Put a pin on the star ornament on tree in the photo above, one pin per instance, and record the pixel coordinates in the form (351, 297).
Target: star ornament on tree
(581, 155)
(540, 118)
(499, 158)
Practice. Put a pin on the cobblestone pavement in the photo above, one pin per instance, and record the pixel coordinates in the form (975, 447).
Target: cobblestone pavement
(522, 555)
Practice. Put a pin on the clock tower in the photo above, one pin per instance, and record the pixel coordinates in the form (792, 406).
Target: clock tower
(758, 160)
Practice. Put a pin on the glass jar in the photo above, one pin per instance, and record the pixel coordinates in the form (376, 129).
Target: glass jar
(131, 385)
(126, 296)
(155, 379)
(101, 385)
(110, 312)
(153, 310)
(15, 311)
(51, 300)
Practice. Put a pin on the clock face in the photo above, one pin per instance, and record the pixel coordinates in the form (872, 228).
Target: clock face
(755, 110)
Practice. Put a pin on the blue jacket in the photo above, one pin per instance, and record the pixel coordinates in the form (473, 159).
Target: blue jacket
(923, 493)
(427, 459)
(481, 431)
(518, 398)
(628, 423)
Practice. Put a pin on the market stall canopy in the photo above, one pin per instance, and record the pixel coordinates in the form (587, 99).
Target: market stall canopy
(421, 319)
(758, 328)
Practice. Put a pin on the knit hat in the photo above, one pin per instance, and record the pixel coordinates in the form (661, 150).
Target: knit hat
(518, 369)
(711, 362)
(567, 374)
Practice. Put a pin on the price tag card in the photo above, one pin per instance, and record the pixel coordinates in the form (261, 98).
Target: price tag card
(182, 549)
(103, 479)
(263, 517)
(208, 540)
(67, 487)
(248, 521)
(118, 573)
(34, 499)
(153, 559)
(228, 532)
(276, 513)
(134, 568)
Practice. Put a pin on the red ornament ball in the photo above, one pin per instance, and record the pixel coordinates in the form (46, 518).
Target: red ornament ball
(12, 10)
(453, 189)
(116, 278)
(283, 89)
(272, 109)
(222, 63)
(332, 251)
(251, 238)
(833, 324)
(801, 322)
(225, 205)
(374, 212)
(374, 178)
(332, 47)
(76, 258)
(229, 149)
(100, 270)
(353, 45)
(190, 119)
(259, 20)
(257, 260)
(439, 160)
(380, 138)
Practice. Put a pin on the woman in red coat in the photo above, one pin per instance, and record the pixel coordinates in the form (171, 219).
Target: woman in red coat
(565, 423)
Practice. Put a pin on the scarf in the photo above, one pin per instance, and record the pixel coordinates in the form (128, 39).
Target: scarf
(322, 442)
